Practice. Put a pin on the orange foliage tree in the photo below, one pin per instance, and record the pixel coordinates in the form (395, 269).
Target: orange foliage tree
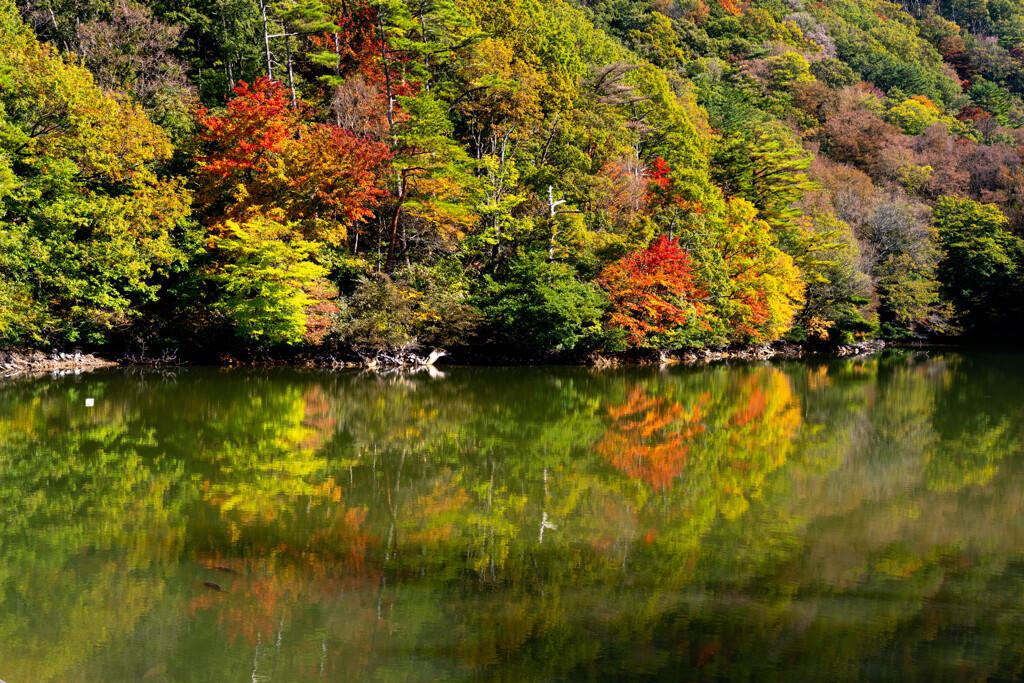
(652, 291)
(765, 290)
(263, 152)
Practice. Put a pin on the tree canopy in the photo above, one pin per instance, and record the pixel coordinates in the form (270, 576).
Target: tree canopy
(599, 175)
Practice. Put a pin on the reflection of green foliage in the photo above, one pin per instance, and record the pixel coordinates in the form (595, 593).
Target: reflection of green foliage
(768, 520)
(98, 485)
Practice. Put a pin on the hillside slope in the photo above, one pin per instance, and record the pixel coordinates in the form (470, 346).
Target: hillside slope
(538, 176)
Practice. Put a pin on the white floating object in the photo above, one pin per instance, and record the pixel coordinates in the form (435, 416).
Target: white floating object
(90, 402)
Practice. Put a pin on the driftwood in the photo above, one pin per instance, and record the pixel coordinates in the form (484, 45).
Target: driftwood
(140, 357)
(401, 358)
(24, 362)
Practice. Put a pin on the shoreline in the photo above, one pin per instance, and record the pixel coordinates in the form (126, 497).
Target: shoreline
(14, 363)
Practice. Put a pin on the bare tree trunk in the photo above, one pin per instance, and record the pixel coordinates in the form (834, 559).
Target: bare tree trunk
(227, 62)
(387, 71)
(291, 78)
(394, 228)
(426, 54)
(266, 40)
(403, 190)
(337, 53)
(552, 208)
(547, 145)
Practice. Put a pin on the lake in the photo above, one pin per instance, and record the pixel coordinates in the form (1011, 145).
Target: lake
(824, 519)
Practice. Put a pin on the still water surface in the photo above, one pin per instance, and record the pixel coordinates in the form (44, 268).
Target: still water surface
(822, 520)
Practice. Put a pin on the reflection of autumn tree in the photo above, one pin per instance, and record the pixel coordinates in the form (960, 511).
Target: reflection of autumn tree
(730, 436)
(786, 520)
(286, 572)
(262, 466)
(974, 424)
(651, 437)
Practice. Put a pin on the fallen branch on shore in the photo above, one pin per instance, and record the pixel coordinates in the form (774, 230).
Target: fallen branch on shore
(402, 358)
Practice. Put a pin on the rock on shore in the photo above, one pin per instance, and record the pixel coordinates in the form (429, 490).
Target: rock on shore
(753, 352)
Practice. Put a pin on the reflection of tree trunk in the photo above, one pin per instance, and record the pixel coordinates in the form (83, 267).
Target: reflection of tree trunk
(376, 626)
(393, 508)
(323, 653)
(545, 523)
(277, 646)
(537, 570)
(391, 539)
(490, 502)
(256, 658)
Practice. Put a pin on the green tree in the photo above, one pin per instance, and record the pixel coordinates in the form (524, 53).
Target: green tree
(542, 306)
(86, 224)
(766, 167)
(264, 278)
(980, 263)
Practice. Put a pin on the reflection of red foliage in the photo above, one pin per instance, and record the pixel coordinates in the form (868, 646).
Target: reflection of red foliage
(753, 410)
(271, 582)
(708, 652)
(318, 415)
(647, 439)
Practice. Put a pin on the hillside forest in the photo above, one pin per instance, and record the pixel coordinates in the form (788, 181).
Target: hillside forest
(566, 175)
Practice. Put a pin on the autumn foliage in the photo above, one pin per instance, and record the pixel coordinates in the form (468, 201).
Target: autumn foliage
(652, 291)
(263, 152)
(509, 150)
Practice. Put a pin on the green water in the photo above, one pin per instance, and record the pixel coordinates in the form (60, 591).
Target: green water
(822, 520)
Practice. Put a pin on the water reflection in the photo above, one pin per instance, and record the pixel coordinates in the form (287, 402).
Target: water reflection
(829, 519)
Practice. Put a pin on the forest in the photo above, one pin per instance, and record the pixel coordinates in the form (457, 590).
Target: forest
(536, 177)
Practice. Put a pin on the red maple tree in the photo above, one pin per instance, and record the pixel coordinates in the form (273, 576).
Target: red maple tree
(263, 152)
(652, 290)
